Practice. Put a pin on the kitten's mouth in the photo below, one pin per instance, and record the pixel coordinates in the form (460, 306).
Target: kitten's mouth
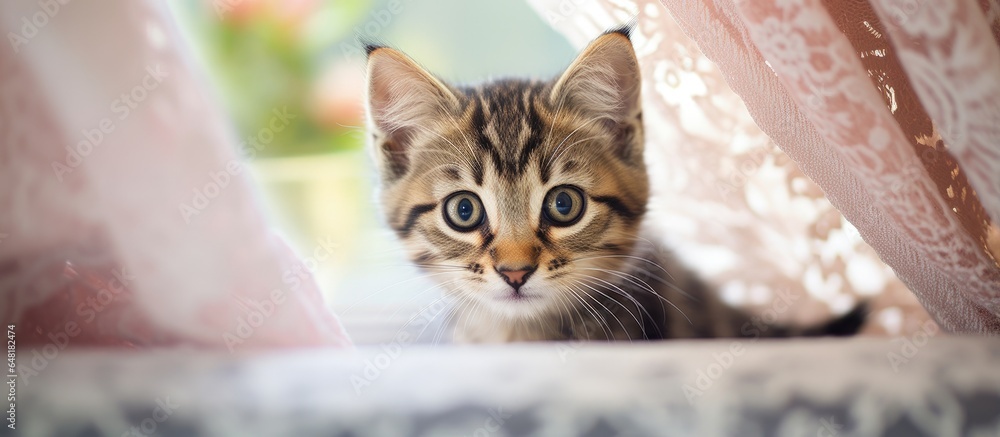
(516, 296)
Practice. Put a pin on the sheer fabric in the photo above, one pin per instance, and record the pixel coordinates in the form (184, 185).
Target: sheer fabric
(887, 117)
(106, 142)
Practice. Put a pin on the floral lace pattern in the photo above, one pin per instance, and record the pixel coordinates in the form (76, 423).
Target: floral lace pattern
(952, 80)
(759, 221)
(852, 119)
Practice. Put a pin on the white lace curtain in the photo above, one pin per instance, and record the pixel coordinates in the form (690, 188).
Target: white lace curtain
(887, 117)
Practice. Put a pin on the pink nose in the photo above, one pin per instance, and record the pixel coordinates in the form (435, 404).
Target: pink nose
(515, 278)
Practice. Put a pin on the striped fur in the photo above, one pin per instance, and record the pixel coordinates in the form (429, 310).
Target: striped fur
(509, 142)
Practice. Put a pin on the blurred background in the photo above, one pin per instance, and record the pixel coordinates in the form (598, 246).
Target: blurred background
(302, 57)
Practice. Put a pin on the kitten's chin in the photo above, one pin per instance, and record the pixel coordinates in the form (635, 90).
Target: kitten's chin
(516, 297)
(523, 304)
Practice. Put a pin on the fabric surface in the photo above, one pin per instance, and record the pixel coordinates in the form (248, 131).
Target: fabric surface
(823, 388)
(126, 217)
(863, 132)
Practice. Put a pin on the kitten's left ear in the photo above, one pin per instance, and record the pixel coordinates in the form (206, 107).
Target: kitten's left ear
(604, 80)
(403, 100)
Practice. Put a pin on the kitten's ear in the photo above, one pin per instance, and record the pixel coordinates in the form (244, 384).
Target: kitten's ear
(604, 80)
(403, 98)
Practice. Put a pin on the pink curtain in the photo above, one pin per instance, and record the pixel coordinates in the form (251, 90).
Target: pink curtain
(886, 118)
(126, 215)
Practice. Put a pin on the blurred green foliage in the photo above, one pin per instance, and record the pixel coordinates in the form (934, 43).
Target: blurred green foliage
(267, 55)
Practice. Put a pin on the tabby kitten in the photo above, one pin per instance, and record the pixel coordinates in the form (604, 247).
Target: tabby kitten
(526, 200)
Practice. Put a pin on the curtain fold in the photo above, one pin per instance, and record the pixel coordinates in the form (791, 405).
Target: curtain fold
(821, 70)
(824, 81)
(952, 58)
(126, 215)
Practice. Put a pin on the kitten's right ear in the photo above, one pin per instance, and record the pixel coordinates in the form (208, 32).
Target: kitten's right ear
(403, 101)
(604, 80)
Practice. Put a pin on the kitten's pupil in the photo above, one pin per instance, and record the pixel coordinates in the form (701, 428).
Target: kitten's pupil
(465, 210)
(564, 203)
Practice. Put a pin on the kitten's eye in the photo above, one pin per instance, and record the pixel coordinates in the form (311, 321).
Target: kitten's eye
(463, 211)
(564, 205)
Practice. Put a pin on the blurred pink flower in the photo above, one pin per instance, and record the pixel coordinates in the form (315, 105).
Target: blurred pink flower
(338, 95)
(290, 13)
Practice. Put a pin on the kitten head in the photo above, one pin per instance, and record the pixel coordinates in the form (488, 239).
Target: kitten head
(520, 197)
